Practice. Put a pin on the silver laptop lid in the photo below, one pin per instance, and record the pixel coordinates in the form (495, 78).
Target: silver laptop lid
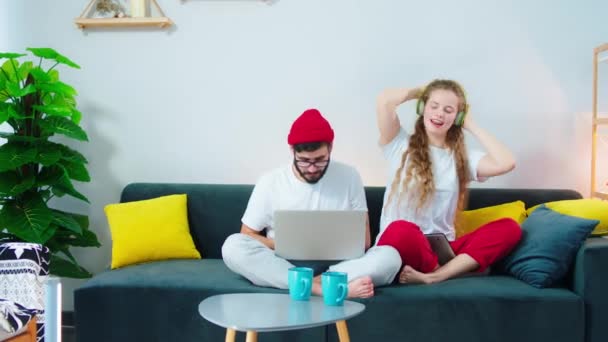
(319, 234)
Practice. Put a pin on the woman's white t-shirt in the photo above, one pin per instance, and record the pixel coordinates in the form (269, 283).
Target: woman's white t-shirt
(340, 188)
(438, 215)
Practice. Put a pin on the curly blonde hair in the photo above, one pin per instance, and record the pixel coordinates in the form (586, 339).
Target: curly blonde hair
(418, 183)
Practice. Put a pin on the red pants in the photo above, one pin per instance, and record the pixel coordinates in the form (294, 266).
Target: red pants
(487, 244)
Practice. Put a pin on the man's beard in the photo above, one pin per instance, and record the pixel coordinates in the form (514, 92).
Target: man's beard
(306, 178)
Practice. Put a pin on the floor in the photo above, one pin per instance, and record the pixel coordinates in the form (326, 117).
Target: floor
(68, 334)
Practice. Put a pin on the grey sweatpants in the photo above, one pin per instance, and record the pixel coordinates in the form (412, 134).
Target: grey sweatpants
(258, 263)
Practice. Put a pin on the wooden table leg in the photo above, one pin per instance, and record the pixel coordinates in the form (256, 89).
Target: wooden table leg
(342, 331)
(230, 335)
(252, 336)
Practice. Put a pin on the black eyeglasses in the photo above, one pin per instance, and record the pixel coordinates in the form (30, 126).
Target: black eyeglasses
(306, 164)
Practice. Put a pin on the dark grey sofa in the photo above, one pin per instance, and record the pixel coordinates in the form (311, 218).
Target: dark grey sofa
(159, 301)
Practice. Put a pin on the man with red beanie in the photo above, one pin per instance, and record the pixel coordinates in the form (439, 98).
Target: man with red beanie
(309, 182)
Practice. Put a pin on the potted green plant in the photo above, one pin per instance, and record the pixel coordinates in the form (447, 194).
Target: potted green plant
(35, 108)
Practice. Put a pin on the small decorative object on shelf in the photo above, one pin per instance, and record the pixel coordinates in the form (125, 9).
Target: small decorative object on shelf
(112, 13)
(138, 8)
(110, 9)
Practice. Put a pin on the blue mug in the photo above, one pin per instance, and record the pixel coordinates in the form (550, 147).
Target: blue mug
(335, 288)
(299, 281)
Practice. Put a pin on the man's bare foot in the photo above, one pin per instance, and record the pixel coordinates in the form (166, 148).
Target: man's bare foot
(316, 286)
(361, 288)
(409, 275)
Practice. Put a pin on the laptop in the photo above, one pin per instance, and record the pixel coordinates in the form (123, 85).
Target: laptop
(441, 246)
(319, 234)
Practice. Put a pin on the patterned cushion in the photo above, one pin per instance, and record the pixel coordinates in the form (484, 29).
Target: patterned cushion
(24, 268)
(14, 316)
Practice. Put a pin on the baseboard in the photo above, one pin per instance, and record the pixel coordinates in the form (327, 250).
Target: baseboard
(67, 318)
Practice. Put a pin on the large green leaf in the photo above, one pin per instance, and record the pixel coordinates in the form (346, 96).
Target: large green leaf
(8, 69)
(65, 186)
(65, 268)
(47, 53)
(64, 60)
(48, 154)
(19, 138)
(12, 184)
(66, 220)
(76, 171)
(11, 55)
(54, 75)
(57, 191)
(40, 75)
(87, 239)
(59, 125)
(49, 232)
(15, 112)
(28, 220)
(72, 155)
(64, 100)
(45, 194)
(15, 90)
(57, 110)
(3, 115)
(49, 176)
(58, 88)
(13, 155)
(67, 153)
(24, 69)
(83, 220)
(76, 116)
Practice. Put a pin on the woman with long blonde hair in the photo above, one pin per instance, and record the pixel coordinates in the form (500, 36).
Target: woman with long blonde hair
(429, 173)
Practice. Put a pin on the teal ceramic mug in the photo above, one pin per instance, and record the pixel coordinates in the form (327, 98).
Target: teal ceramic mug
(300, 282)
(335, 287)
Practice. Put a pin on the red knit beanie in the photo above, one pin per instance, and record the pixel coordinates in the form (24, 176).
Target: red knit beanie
(311, 126)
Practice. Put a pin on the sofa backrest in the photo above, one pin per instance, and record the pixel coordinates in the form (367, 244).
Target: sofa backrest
(215, 210)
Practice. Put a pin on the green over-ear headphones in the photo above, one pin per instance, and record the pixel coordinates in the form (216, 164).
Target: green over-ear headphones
(459, 117)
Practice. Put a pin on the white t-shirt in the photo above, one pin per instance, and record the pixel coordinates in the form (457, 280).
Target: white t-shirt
(340, 188)
(438, 215)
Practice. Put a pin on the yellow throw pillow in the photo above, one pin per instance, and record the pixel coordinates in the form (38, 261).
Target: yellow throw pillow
(469, 220)
(154, 229)
(593, 209)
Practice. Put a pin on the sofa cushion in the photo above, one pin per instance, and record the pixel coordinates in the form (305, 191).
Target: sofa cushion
(469, 220)
(164, 294)
(24, 269)
(14, 318)
(471, 309)
(593, 209)
(148, 230)
(549, 243)
(209, 228)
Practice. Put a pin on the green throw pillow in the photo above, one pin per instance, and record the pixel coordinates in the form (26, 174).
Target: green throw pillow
(550, 241)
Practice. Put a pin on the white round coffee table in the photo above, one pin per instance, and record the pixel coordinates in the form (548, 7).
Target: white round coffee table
(263, 312)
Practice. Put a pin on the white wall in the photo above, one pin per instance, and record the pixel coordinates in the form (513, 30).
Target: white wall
(211, 99)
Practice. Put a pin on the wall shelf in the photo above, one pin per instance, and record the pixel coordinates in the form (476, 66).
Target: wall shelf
(596, 121)
(85, 21)
(601, 121)
(161, 22)
(601, 195)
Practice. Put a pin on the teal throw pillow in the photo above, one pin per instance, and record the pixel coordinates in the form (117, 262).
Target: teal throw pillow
(549, 242)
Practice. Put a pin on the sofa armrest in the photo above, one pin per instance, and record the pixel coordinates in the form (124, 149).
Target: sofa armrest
(591, 283)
